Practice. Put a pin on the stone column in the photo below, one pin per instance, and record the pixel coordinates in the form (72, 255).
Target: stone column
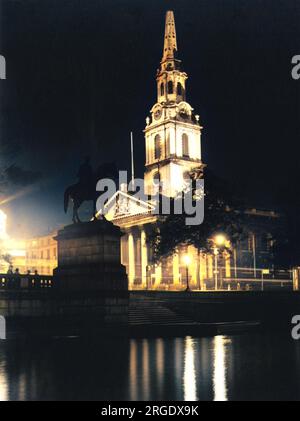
(131, 261)
(193, 266)
(158, 274)
(144, 259)
(203, 270)
(296, 279)
(227, 265)
(176, 275)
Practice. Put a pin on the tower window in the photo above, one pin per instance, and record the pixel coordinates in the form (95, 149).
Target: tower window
(170, 87)
(162, 89)
(185, 145)
(156, 182)
(157, 147)
(167, 145)
(179, 89)
(156, 178)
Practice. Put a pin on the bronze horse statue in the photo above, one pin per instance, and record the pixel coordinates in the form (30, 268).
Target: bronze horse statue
(85, 189)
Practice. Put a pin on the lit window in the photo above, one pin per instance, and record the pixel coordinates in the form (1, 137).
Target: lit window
(156, 178)
(157, 147)
(185, 145)
(156, 182)
(170, 87)
(179, 89)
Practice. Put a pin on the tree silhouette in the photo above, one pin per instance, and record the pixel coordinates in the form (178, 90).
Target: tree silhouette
(223, 213)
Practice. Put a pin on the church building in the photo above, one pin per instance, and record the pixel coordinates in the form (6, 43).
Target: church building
(173, 150)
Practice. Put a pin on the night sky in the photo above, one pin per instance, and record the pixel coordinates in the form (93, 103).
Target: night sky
(81, 75)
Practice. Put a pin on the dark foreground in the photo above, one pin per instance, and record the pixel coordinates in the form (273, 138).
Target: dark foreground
(210, 313)
(247, 367)
(151, 313)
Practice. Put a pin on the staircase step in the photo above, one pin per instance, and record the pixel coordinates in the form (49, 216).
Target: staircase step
(154, 313)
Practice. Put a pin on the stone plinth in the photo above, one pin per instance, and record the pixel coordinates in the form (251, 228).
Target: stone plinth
(89, 258)
(89, 292)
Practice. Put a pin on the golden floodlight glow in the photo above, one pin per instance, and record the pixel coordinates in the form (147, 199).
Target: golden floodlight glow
(3, 218)
(187, 259)
(13, 247)
(17, 253)
(18, 194)
(220, 240)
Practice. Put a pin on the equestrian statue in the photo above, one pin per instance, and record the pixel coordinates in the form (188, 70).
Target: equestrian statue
(85, 188)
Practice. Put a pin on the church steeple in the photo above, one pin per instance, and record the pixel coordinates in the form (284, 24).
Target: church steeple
(170, 79)
(170, 41)
(173, 130)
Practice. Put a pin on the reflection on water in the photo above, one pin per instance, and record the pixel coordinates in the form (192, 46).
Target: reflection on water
(219, 368)
(189, 377)
(3, 386)
(133, 371)
(160, 364)
(219, 376)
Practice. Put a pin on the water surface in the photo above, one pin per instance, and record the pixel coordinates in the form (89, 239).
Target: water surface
(246, 367)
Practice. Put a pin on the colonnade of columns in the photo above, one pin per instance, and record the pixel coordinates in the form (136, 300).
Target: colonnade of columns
(171, 273)
(131, 263)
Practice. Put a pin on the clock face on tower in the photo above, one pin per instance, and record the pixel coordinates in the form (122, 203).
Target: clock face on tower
(157, 113)
(183, 114)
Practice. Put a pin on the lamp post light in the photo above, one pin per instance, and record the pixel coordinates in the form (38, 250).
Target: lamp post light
(219, 241)
(187, 261)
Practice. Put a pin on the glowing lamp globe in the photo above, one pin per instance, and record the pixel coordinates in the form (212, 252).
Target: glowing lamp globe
(187, 259)
(3, 218)
(220, 240)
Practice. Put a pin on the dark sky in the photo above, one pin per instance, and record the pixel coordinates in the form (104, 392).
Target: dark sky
(81, 75)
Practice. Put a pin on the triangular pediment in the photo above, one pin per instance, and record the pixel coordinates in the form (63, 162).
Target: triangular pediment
(123, 204)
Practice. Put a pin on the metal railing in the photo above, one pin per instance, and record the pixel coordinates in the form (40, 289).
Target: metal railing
(240, 279)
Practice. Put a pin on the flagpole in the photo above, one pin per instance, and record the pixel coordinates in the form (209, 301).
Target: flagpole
(132, 161)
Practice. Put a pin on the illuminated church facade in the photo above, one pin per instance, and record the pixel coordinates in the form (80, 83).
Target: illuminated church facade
(173, 150)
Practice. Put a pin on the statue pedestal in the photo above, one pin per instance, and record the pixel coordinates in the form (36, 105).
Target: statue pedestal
(89, 258)
(90, 281)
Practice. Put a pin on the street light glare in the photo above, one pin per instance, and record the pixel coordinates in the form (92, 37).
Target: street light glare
(187, 259)
(220, 240)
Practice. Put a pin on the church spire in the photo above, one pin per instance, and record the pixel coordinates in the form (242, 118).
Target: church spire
(170, 42)
(169, 60)
(170, 79)
(173, 131)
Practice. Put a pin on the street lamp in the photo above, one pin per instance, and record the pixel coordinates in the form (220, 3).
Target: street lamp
(187, 261)
(219, 241)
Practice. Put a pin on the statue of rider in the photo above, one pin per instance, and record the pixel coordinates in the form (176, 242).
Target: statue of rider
(85, 173)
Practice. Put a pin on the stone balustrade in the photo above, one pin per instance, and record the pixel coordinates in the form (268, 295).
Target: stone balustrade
(25, 282)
